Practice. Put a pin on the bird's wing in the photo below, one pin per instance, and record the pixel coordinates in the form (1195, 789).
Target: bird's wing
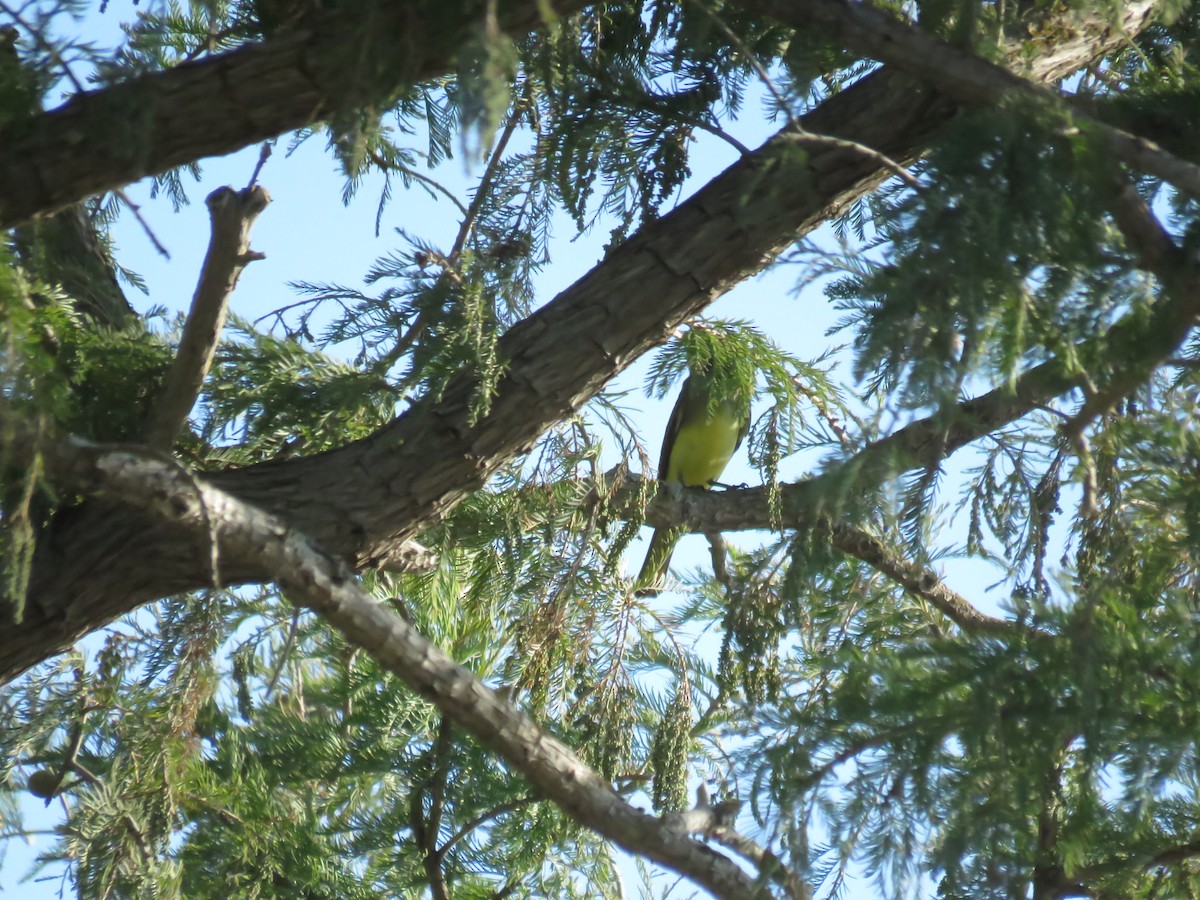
(672, 432)
(745, 428)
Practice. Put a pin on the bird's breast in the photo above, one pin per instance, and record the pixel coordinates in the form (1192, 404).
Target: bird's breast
(702, 449)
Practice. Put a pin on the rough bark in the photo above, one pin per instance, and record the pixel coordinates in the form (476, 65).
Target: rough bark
(360, 501)
(149, 124)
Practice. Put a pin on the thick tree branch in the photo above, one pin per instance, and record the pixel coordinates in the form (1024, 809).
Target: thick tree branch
(964, 76)
(232, 213)
(311, 577)
(152, 123)
(65, 249)
(363, 500)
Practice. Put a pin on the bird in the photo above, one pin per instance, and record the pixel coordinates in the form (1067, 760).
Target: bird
(700, 439)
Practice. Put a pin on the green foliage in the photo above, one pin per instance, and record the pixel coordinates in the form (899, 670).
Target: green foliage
(56, 369)
(268, 397)
(33, 317)
(322, 778)
(620, 97)
(1021, 212)
(172, 32)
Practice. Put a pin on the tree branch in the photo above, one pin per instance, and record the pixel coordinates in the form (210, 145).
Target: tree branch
(966, 77)
(450, 265)
(152, 123)
(831, 491)
(764, 860)
(923, 583)
(232, 214)
(1176, 316)
(697, 510)
(715, 822)
(426, 829)
(482, 819)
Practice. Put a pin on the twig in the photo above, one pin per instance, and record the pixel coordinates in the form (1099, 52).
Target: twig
(685, 684)
(483, 819)
(923, 583)
(432, 183)
(208, 44)
(1088, 508)
(721, 134)
(881, 159)
(1174, 318)
(264, 153)
(831, 420)
(27, 833)
(293, 628)
(50, 49)
(232, 213)
(718, 553)
(1162, 859)
(507, 889)
(470, 215)
(798, 131)
(134, 208)
(485, 183)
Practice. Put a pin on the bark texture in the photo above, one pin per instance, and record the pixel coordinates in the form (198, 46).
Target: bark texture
(147, 125)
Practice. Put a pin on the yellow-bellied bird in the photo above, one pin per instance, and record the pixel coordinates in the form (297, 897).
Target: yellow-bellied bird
(702, 435)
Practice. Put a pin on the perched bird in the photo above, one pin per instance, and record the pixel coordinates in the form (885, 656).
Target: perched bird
(701, 437)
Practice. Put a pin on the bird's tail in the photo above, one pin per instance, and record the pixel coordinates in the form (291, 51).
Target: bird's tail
(653, 575)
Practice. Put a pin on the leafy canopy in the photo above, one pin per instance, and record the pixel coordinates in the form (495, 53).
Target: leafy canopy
(1038, 739)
